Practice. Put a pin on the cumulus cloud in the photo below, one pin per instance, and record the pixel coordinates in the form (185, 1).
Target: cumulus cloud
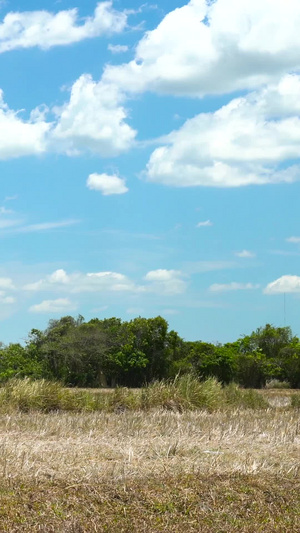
(20, 137)
(157, 281)
(215, 47)
(245, 254)
(166, 281)
(93, 120)
(205, 223)
(60, 305)
(44, 29)
(245, 142)
(106, 184)
(284, 284)
(200, 48)
(78, 282)
(233, 286)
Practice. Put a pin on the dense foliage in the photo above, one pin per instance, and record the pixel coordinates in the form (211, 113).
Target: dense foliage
(110, 352)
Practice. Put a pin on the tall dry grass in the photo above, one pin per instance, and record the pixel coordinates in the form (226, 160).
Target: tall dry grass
(185, 392)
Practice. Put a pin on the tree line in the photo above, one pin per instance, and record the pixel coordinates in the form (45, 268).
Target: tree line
(112, 352)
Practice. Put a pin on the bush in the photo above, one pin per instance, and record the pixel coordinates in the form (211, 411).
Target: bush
(25, 394)
(277, 384)
(184, 392)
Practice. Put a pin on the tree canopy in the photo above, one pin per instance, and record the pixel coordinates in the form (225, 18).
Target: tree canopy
(132, 353)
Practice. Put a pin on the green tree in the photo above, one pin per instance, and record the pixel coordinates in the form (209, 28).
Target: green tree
(16, 361)
(210, 360)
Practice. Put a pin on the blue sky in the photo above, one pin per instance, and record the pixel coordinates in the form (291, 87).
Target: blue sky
(149, 163)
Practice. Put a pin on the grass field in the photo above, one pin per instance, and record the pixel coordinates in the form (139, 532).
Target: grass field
(154, 470)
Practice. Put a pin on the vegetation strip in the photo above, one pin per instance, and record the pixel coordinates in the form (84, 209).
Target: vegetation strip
(112, 352)
(184, 393)
(213, 504)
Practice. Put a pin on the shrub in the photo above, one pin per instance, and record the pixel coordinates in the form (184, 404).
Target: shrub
(25, 394)
(277, 384)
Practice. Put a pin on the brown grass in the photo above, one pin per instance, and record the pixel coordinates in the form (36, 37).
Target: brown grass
(229, 471)
(190, 503)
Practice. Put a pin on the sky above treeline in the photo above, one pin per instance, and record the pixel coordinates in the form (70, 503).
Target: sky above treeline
(149, 163)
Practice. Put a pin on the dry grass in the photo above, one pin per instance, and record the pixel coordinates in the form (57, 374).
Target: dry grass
(160, 470)
(149, 460)
(96, 446)
(183, 393)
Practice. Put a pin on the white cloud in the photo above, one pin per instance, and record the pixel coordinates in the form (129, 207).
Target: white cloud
(59, 276)
(93, 120)
(106, 184)
(5, 211)
(215, 47)
(6, 300)
(45, 226)
(245, 142)
(112, 281)
(117, 48)
(295, 240)
(60, 305)
(246, 254)
(16, 225)
(78, 282)
(200, 48)
(158, 281)
(45, 29)
(20, 137)
(10, 198)
(284, 284)
(233, 286)
(10, 223)
(6, 284)
(204, 224)
(166, 281)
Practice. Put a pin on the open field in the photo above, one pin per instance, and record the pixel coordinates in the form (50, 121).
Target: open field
(234, 470)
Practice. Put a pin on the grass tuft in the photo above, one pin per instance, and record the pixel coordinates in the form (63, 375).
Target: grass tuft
(295, 400)
(277, 384)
